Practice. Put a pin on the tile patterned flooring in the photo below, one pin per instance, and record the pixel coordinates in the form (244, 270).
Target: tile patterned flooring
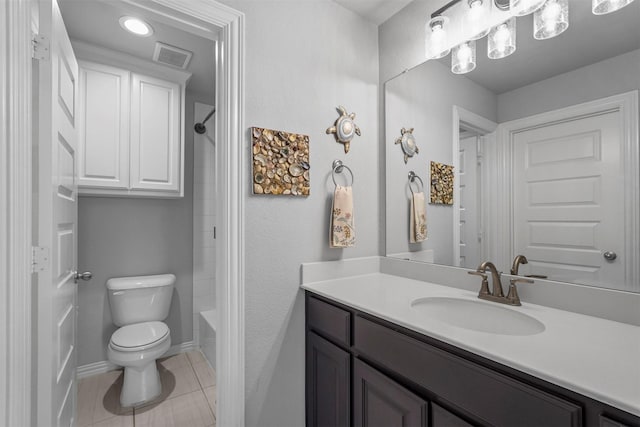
(188, 397)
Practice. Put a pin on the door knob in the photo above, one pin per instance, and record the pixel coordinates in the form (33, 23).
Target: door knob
(84, 276)
(609, 255)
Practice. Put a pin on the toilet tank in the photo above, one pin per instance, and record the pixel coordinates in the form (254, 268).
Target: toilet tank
(140, 298)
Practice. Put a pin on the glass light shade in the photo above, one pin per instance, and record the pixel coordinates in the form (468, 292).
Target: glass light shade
(463, 57)
(525, 7)
(551, 19)
(435, 38)
(502, 40)
(136, 26)
(601, 7)
(475, 18)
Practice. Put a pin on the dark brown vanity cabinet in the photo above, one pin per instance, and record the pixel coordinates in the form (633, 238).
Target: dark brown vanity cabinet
(363, 371)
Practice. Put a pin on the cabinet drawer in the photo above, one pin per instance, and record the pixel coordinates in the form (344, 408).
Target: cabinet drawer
(493, 397)
(329, 320)
(443, 418)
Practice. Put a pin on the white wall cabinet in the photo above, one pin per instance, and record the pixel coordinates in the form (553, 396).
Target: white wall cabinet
(131, 133)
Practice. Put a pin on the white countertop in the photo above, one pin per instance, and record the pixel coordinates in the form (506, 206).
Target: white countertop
(592, 356)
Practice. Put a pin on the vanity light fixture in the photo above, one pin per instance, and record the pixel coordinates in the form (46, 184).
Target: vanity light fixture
(525, 7)
(476, 17)
(502, 40)
(602, 7)
(436, 37)
(463, 57)
(136, 26)
(551, 19)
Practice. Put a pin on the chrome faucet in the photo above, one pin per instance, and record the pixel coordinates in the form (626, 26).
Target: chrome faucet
(497, 294)
(519, 259)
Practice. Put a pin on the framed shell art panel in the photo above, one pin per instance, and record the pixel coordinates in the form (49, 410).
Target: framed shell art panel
(280, 162)
(441, 184)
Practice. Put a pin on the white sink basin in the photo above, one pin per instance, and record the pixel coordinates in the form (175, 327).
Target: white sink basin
(478, 316)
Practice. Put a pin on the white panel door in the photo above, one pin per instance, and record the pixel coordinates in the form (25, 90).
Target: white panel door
(469, 179)
(57, 229)
(155, 134)
(103, 109)
(568, 199)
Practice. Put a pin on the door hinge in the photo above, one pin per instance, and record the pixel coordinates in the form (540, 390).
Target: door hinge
(41, 47)
(39, 259)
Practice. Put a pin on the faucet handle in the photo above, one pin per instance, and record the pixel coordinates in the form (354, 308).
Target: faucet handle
(484, 288)
(512, 295)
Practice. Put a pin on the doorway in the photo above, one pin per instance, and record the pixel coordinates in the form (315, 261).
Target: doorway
(473, 135)
(17, 360)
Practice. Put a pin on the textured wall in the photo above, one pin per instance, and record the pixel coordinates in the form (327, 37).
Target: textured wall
(303, 58)
(129, 237)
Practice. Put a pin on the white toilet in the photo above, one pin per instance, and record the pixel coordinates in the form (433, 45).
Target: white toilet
(138, 305)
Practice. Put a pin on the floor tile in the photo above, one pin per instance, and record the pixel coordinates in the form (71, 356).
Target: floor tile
(99, 398)
(206, 375)
(174, 362)
(212, 397)
(177, 378)
(120, 421)
(196, 356)
(190, 410)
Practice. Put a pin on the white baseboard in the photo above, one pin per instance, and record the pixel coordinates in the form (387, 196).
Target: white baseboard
(106, 366)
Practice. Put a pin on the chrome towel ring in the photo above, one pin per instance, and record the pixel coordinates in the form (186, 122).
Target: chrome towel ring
(412, 179)
(338, 167)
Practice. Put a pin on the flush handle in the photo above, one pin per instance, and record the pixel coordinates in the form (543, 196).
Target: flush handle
(86, 276)
(610, 255)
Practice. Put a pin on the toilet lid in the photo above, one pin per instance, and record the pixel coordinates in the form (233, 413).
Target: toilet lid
(139, 335)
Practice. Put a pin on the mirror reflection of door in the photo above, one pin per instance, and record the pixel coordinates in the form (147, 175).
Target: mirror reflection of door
(568, 200)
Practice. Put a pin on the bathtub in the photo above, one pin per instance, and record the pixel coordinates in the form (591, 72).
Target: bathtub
(207, 335)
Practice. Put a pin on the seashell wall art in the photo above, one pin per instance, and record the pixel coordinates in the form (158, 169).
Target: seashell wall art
(280, 162)
(441, 184)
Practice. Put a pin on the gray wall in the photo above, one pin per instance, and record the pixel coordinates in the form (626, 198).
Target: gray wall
(295, 78)
(423, 98)
(605, 78)
(128, 237)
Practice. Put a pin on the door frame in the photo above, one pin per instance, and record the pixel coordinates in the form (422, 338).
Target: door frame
(627, 104)
(16, 210)
(472, 121)
(15, 213)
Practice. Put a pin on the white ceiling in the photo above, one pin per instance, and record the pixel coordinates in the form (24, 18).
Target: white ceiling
(588, 39)
(376, 11)
(96, 22)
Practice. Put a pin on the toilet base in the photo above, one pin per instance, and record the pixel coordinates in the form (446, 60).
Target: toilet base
(141, 385)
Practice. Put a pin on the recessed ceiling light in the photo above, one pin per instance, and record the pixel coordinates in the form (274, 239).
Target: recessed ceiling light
(136, 26)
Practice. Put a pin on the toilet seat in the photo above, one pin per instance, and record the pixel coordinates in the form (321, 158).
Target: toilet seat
(139, 336)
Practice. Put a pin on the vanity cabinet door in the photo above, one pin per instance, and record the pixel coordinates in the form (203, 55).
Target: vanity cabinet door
(328, 384)
(443, 418)
(103, 149)
(379, 401)
(156, 148)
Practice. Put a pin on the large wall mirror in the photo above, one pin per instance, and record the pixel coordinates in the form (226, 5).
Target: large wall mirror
(544, 149)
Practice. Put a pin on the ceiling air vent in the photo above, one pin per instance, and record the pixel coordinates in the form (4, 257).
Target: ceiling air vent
(170, 55)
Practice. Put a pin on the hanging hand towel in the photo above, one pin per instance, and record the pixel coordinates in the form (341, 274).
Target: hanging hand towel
(418, 222)
(342, 233)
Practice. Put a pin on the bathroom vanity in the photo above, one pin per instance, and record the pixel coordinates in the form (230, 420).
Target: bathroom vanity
(373, 357)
